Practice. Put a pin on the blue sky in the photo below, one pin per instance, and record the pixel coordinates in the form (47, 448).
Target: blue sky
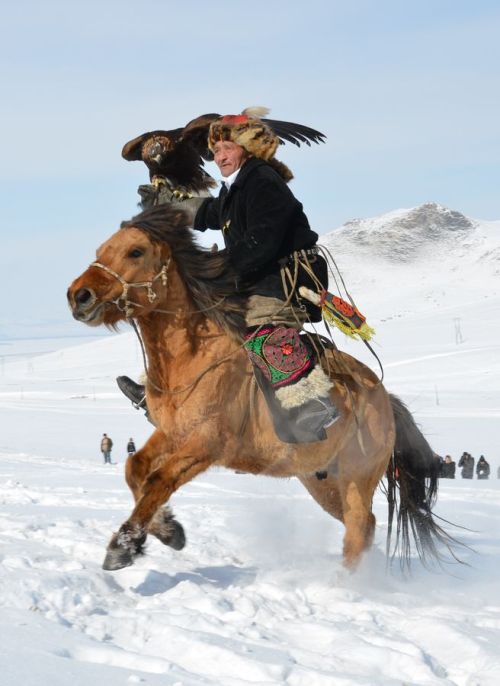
(407, 93)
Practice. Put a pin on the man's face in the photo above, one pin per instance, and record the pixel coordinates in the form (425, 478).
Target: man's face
(228, 156)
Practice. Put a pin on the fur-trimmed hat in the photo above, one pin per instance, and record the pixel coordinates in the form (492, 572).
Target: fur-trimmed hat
(254, 135)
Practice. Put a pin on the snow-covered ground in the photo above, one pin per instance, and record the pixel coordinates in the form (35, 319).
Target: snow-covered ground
(258, 596)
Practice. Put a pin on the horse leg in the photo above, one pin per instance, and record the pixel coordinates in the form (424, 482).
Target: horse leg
(360, 528)
(359, 521)
(357, 489)
(176, 470)
(138, 466)
(326, 493)
(362, 464)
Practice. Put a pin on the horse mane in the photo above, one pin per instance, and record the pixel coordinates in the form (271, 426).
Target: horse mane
(208, 276)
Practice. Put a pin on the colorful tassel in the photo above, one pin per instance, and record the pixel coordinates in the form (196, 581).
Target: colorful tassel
(339, 313)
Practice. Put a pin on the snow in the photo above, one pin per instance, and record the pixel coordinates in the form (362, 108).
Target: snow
(258, 595)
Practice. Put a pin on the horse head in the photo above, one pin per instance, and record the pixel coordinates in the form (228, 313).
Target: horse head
(131, 273)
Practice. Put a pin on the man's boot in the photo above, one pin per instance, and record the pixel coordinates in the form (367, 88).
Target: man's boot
(305, 423)
(315, 415)
(135, 392)
(309, 406)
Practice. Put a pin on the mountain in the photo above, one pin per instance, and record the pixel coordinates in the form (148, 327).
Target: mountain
(418, 233)
(431, 255)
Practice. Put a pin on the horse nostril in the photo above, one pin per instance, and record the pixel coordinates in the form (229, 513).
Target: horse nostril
(82, 296)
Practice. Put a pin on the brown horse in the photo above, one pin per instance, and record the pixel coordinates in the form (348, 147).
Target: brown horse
(202, 398)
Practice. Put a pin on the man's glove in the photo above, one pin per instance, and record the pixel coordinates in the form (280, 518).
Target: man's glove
(190, 206)
(153, 195)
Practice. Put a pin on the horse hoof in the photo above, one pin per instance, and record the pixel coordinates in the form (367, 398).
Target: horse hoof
(178, 538)
(124, 546)
(117, 559)
(168, 530)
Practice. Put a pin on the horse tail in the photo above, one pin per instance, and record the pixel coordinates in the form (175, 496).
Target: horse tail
(412, 478)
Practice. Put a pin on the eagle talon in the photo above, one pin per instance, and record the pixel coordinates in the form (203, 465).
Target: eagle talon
(181, 195)
(158, 182)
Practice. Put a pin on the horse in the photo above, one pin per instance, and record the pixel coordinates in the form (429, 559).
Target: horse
(207, 411)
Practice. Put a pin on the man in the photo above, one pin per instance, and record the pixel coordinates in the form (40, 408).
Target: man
(130, 447)
(448, 468)
(483, 468)
(273, 251)
(466, 462)
(106, 445)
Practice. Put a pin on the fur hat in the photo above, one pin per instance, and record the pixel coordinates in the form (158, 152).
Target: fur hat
(254, 135)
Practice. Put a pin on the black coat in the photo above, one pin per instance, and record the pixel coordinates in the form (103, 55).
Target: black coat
(262, 222)
(467, 464)
(448, 470)
(482, 469)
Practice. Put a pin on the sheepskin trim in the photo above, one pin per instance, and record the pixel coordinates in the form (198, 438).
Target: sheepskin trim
(316, 385)
(281, 169)
(143, 378)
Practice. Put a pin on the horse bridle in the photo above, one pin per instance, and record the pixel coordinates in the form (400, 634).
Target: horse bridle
(122, 302)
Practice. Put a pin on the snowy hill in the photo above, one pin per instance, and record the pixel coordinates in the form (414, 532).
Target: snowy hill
(428, 257)
(258, 596)
(420, 233)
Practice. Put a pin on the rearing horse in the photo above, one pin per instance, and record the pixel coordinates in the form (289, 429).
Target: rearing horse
(202, 399)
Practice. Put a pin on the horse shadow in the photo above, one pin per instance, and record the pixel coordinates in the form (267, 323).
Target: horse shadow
(224, 576)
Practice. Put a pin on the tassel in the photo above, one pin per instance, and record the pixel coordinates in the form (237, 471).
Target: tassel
(339, 313)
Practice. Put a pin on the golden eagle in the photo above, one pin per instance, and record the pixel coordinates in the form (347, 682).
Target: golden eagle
(176, 157)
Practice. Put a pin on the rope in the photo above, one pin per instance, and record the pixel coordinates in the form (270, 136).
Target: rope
(331, 261)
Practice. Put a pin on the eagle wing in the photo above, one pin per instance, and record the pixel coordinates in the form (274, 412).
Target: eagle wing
(295, 133)
(196, 133)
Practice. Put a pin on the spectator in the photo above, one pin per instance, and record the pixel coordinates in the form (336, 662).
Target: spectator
(483, 468)
(130, 446)
(106, 445)
(467, 464)
(448, 468)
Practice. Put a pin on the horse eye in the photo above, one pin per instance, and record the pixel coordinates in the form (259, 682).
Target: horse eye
(136, 253)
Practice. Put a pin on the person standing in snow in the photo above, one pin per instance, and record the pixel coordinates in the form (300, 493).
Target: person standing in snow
(483, 468)
(130, 447)
(106, 445)
(466, 462)
(448, 468)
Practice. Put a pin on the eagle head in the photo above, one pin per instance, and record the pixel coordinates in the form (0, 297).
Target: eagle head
(155, 149)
